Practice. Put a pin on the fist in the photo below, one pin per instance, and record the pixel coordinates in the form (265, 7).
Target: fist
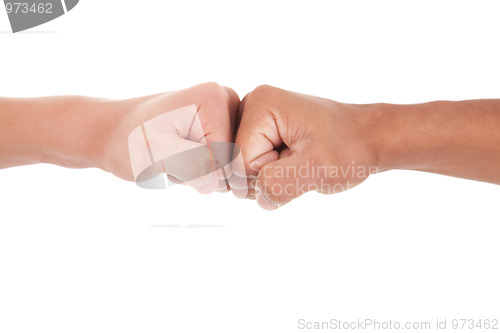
(293, 143)
(173, 133)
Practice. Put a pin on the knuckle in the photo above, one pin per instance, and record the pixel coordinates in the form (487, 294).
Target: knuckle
(212, 86)
(261, 98)
(214, 90)
(264, 91)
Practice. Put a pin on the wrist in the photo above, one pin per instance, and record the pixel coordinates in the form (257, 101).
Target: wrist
(390, 131)
(376, 125)
(407, 136)
(71, 130)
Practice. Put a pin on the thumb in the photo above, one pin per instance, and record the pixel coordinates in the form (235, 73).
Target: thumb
(282, 181)
(153, 153)
(191, 163)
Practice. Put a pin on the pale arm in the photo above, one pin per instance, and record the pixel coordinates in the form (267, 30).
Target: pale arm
(84, 132)
(66, 131)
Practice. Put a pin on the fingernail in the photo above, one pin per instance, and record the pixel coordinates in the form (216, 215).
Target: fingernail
(264, 200)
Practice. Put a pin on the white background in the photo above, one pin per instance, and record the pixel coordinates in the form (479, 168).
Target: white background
(82, 251)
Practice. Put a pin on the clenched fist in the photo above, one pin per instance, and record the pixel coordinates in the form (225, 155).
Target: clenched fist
(294, 143)
(291, 143)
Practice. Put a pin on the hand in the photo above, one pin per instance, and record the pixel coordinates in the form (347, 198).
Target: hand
(293, 143)
(175, 122)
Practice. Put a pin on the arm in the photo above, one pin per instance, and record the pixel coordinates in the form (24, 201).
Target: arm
(66, 131)
(460, 139)
(294, 143)
(83, 132)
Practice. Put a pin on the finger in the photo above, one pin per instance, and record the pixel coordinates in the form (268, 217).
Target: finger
(238, 181)
(175, 180)
(282, 181)
(222, 187)
(217, 117)
(184, 159)
(239, 115)
(258, 137)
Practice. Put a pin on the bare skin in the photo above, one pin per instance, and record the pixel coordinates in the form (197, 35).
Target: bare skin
(337, 146)
(82, 132)
(291, 143)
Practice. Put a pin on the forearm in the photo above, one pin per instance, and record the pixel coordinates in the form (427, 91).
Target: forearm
(460, 139)
(65, 131)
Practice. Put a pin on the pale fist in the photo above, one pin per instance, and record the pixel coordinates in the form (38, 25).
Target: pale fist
(181, 125)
